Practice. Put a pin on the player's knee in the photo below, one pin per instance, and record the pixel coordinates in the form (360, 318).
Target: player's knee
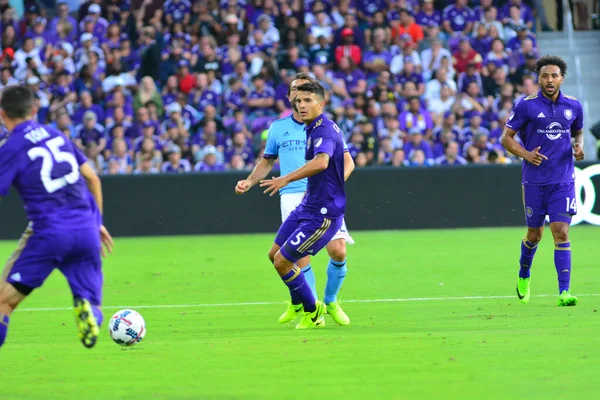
(9, 298)
(271, 255)
(561, 234)
(280, 263)
(534, 236)
(337, 250)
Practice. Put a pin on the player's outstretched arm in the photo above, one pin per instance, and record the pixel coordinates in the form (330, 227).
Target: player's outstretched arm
(510, 144)
(93, 183)
(261, 170)
(313, 167)
(348, 165)
(95, 186)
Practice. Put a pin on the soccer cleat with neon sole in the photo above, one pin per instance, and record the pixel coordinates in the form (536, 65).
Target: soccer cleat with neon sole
(293, 311)
(524, 290)
(313, 319)
(87, 326)
(339, 316)
(566, 299)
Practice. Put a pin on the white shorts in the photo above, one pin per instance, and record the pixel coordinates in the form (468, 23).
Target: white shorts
(289, 202)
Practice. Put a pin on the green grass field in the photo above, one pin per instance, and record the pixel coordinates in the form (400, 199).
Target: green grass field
(418, 330)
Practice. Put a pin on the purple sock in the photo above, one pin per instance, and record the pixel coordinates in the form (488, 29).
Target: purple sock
(527, 252)
(98, 315)
(3, 328)
(562, 262)
(298, 286)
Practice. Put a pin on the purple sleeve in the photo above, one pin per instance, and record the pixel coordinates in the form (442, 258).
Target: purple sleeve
(323, 142)
(446, 13)
(81, 158)
(528, 14)
(472, 16)
(427, 151)
(578, 123)
(402, 119)
(428, 120)
(8, 170)
(518, 117)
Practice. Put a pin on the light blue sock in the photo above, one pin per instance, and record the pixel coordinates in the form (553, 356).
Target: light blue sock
(336, 272)
(309, 275)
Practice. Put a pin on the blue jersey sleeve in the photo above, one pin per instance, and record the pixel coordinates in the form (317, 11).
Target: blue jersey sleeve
(518, 117)
(271, 146)
(8, 170)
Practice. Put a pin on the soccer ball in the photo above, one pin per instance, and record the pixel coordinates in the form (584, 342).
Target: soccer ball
(127, 327)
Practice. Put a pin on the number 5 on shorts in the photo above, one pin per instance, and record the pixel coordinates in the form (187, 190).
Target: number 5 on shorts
(299, 237)
(571, 205)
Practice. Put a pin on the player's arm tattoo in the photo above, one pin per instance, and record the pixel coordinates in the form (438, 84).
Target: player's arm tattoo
(578, 136)
(323, 157)
(510, 144)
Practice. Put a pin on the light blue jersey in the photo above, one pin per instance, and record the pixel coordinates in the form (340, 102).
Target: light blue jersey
(287, 141)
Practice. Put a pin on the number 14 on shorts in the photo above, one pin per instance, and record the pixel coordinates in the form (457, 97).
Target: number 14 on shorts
(571, 205)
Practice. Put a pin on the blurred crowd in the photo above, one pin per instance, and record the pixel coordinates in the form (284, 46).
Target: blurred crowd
(147, 86)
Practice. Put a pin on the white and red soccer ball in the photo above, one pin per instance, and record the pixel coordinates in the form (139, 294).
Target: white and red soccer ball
(127, 327)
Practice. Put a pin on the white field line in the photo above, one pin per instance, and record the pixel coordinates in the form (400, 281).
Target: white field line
(271, 303)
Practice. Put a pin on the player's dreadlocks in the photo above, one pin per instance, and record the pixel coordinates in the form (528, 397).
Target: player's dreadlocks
(551, 60)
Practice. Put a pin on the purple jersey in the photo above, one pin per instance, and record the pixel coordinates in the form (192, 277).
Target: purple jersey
(458, 17)
(351, 80)
(415, 77)
(43, 165)
(383, 57)
(246, 152)
(202, 167)
(482, 45)
(370, 7)
(326, 195)
(425, 19)
(541, 122)
(90, 135)
(177, 9)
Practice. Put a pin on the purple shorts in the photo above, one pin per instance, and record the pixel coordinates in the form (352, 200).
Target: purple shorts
(557, 201)
(74, 252)
(303, 235)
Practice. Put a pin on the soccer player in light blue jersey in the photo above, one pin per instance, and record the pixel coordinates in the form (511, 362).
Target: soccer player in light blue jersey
(287, 141)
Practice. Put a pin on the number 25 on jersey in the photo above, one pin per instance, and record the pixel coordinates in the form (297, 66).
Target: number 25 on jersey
(50, 156)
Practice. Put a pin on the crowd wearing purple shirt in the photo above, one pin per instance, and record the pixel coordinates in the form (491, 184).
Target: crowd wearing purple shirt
(410, 82)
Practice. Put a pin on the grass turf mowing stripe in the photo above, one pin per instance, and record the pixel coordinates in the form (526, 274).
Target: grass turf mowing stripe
(271, 303)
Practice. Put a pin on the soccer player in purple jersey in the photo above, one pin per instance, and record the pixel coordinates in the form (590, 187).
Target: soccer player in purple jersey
(319, 217)
(550, 125)
(287, 142)
(65, 229)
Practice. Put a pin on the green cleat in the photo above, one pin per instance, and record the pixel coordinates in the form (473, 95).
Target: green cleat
(339, 316)
(523, 290)
(567, 299)
(86, 323)
(293, 311)
(313, 319)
